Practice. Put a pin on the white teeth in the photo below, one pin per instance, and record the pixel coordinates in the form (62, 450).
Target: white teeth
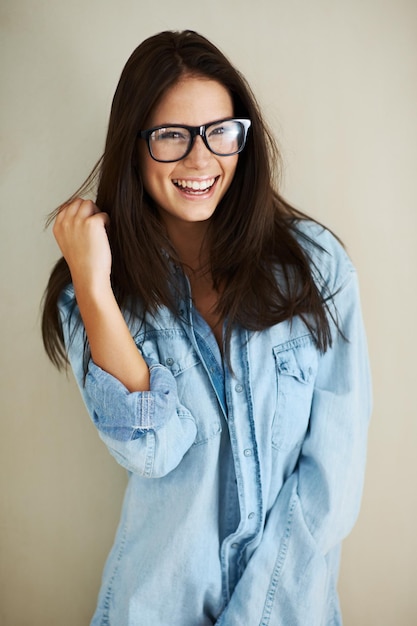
(195, 185)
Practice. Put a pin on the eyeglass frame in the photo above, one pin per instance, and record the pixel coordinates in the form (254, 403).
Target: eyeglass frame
(197, 131)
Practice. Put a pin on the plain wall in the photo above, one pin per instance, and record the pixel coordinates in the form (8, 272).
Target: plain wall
(337, 81)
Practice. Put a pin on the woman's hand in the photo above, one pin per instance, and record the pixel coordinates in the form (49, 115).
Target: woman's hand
(80, 231)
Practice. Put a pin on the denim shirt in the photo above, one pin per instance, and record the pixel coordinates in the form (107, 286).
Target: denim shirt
(241, 486)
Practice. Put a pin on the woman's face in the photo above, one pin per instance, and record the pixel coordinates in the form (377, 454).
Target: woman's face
(193, 101)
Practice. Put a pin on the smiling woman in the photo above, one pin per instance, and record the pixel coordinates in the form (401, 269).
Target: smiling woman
(216, 336)
(190, 187)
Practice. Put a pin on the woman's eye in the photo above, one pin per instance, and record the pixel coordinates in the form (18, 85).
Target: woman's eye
(218, 130)
(171, 135)
(226, 131)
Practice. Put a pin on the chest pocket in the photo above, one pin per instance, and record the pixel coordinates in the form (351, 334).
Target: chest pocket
(172, 349)
(296, 364)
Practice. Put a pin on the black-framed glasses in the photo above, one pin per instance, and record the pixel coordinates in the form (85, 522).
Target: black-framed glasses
(173, 142)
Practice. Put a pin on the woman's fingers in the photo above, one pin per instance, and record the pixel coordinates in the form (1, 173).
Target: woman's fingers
(78, 208)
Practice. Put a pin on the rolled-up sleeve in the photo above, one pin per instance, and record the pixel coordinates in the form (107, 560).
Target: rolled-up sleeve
(147, 432)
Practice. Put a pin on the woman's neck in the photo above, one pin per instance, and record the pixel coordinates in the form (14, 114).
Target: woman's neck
(189, 241)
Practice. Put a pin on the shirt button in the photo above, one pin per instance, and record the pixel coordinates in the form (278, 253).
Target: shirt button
(247, 452)
(251, 515)
(239, 388)
(235, 545)
(169, 361)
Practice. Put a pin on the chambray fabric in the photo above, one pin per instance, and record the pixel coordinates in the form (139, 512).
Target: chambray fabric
(241, 485)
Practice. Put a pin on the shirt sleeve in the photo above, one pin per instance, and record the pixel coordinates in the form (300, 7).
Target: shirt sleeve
(147, 432)
(291, 576)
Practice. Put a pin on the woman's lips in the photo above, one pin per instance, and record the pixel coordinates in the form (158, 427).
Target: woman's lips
(195, 187)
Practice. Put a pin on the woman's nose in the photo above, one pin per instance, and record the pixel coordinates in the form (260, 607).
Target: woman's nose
(199, 155)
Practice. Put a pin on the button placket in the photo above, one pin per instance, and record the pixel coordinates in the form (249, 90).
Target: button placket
(244, 446)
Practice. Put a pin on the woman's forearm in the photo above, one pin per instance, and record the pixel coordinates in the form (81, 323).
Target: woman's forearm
(112, 346)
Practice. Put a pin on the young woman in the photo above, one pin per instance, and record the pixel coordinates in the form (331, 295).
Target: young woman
(216, 336)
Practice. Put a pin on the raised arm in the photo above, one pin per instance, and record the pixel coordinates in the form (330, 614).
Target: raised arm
(80, 230)
(133, 403)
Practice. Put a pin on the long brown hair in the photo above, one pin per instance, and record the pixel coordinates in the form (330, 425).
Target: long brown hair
(252, 232)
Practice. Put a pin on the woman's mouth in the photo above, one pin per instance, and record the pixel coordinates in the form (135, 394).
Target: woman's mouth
(195, 187)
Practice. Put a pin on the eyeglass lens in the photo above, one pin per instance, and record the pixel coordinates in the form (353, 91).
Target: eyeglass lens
(172, 143)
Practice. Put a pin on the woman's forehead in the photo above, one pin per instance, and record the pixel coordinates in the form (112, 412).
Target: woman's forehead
(192, 100)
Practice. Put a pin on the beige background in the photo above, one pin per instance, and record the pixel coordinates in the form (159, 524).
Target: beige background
(337, 80)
